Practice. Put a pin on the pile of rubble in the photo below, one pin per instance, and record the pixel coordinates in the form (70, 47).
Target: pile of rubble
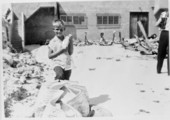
(87, 42)
(92, 42)
(29, 82)
(139, 44)
(146, 45)
(79, 42)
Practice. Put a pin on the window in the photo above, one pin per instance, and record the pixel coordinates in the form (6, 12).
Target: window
(64, 18)
(99, 20)
(82, 20)
(79, 20)
(104, 19)
(76, 20)
(108, 20)
(69, 19)
(116, 20)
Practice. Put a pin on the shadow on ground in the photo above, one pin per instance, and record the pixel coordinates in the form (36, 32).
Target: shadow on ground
(99, 99)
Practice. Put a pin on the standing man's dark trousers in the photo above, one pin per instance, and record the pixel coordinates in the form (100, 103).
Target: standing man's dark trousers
(162, 49)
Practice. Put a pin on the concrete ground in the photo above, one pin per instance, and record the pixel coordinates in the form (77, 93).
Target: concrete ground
(123, 81)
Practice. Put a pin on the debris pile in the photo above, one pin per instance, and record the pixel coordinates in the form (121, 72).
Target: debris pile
(22, 79)
(139, 44)
(28, 82)
(87, 42)
(146, 45)
(79, 42)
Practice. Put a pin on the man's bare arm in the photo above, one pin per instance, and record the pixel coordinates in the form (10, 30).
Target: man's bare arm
(52, 54)
(70, 47)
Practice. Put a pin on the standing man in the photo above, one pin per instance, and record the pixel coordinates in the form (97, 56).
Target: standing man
(163, 24)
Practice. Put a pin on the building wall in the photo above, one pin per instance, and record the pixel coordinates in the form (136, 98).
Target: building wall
(38, 28)
(121, 7)
(6, 21)
(160, 6)
(28, 9)
(90, 8)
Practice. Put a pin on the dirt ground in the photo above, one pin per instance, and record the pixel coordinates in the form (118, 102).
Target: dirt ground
(121, 81)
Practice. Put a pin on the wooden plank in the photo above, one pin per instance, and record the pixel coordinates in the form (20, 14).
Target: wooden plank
(169, 54)
(144, 34)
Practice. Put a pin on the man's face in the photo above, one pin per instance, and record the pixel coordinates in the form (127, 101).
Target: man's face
(58, 30)
(165, 14)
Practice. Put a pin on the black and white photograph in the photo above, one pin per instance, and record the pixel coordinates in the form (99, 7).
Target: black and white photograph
(85, 59)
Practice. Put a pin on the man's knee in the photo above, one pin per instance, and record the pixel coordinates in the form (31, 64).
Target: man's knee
(67, 74)
(59, 72)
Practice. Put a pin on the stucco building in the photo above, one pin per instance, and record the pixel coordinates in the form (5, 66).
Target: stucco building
(32, 22)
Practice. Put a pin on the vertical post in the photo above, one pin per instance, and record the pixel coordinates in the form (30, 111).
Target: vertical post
(11, 26)
(23, 30)
(120, 36)
(57, 11)
(169, 48)
(85, 38)
(114, 32)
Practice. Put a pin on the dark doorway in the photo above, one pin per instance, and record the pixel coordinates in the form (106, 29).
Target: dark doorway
(134, 18)
(38, 26)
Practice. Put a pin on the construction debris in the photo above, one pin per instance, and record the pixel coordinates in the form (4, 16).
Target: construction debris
(87, 42)
(26, 76)
(139, 44)
(146, 45)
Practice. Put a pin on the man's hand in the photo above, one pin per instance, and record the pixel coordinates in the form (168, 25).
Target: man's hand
(66, 41)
